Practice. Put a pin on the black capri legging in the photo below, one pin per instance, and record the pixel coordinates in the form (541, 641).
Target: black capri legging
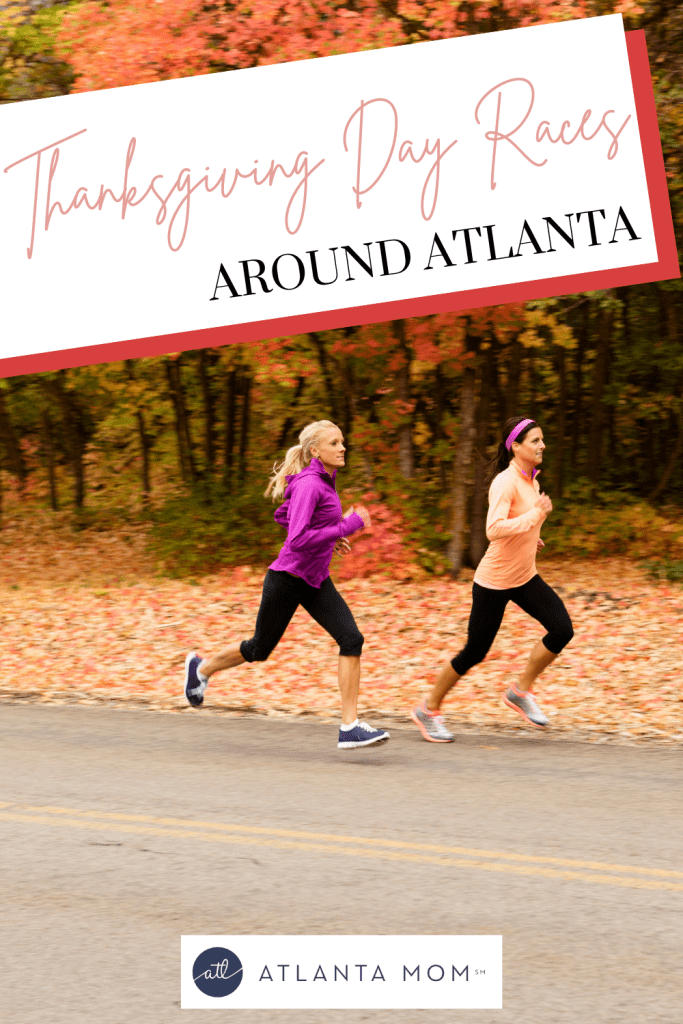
(282, 595)
(535, 598)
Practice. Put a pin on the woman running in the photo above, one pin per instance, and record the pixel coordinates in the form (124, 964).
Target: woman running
(507, 572)
(300, 575)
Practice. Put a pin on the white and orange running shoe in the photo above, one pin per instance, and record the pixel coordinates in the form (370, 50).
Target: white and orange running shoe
(431, 724)
(525, 705)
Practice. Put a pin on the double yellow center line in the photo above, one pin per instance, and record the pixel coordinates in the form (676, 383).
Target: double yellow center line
(625, 875)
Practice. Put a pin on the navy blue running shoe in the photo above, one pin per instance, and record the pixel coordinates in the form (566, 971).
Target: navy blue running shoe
(194, 687)
(362, 735)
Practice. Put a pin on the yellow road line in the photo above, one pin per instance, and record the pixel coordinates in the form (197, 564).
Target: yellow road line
(346, 851)
(358, 841)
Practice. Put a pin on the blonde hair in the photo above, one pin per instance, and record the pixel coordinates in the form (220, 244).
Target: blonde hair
(297, 457)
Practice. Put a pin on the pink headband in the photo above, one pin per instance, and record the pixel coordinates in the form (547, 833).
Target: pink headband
(516, 431)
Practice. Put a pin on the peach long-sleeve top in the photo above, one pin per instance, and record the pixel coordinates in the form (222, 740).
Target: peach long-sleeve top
(513, 526)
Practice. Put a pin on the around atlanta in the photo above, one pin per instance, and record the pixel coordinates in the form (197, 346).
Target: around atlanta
(448, 248)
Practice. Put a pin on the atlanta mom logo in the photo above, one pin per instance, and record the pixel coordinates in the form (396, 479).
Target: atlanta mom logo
(341, 971)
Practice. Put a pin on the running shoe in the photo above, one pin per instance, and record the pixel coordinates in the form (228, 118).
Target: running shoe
(362, 735)
(526, 706)
(431, 725)
(194, 687)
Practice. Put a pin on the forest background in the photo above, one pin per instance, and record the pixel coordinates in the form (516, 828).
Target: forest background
(157, 466)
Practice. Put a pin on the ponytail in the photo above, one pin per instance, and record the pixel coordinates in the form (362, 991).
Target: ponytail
(296, 459)
(293, 463)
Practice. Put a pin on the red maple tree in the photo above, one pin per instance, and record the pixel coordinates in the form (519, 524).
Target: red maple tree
(126, 42)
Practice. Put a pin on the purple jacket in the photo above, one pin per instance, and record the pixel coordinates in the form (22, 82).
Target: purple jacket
(312, 515)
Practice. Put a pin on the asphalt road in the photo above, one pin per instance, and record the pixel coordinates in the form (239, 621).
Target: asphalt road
(570, 851)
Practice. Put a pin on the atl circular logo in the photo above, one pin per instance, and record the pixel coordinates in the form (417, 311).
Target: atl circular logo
(217, 972)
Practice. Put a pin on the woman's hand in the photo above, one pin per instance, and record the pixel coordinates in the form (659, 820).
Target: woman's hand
(544, 503)
(539, 544)
(363, 513)
(342, 546)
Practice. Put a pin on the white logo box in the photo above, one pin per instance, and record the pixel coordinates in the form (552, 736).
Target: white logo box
(353, 971)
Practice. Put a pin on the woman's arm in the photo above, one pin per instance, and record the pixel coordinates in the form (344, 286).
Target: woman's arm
(300, 533)
(497, 522)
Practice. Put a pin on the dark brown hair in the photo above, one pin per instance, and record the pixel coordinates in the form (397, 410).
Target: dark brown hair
(501, 460)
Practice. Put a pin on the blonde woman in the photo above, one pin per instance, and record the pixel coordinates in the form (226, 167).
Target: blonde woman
(300, 575)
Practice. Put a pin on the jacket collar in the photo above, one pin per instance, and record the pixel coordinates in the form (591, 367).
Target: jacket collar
(534, 472)
(317, 465)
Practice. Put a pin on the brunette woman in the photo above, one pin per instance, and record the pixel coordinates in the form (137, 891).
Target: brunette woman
(507, 572)
(300, 575)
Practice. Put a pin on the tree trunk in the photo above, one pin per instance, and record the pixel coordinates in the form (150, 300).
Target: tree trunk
(230, 404)
(74, 433)
(348, 400)
(577, 418)
(612, 436)
(15, 456)
(48, 442)
(533, 383)
(403, 392)
(671, 462)
(671, 320)
(600, 378)
(146, 447)
(209, 412)
(185, 452)
(349, 395)
(561, 418)
(144, 438)
(514, 370)
(478, 541)
(650, 479)
(497, 404)
(289, 421)
(438, 428)
(461, 469)
(323, 362)
(244, 425)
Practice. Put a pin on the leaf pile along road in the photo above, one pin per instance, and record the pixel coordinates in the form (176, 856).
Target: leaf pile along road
(87, 619)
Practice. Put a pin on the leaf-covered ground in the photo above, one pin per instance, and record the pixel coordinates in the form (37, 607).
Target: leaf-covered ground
(86, 619)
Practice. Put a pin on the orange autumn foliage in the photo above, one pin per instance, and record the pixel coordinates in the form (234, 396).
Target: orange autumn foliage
(127, 42)
(383, 550)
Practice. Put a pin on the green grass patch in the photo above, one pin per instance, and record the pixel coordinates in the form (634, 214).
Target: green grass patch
(208, 531)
